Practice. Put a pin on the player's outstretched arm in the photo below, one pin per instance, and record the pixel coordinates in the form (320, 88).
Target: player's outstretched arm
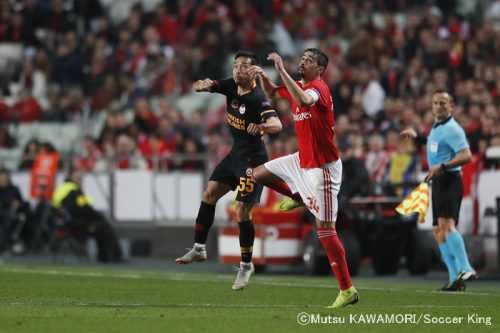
(270, 89)
(203, 85)
(300, 96)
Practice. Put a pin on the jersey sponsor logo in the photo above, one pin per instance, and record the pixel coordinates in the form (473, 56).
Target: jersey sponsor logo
(235, 103)
(242, 108)
(249, 172)
(236, 122)
(302, 116)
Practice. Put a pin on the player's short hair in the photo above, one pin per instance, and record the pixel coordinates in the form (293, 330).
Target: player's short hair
(321, 57)
(443, 91)
(254, 60)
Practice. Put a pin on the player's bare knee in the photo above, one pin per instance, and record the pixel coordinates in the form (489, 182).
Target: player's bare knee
(257, 173)
(209, 197)
(243, 211)
(325, 224)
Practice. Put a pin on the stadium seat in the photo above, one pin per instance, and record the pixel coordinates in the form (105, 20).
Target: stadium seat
(11, 51)
(9, 158)
(64, 137)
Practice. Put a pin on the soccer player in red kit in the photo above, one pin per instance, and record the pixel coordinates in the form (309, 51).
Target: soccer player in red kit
(315, 171)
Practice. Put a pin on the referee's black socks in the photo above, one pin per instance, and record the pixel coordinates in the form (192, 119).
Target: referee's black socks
(247, 235)
(204, 222)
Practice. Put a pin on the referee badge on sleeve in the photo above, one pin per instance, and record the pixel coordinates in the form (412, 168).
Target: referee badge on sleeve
(434, 146)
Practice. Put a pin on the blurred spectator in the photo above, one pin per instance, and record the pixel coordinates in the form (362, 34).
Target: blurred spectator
(144, 117)
(68, 63)
(34, 81)
(89, 156)
(26, 109)
(58, 19)
(166, 25)
(401, 168)
(386, 58)
(16, 31)
(14, 213)
(107, 93)
(6, 140)
(124, 155)
(355, 178)
(31, 148)
(70, 201)
(192, 159)
(114, 123)
(371, 92)
(377, 159)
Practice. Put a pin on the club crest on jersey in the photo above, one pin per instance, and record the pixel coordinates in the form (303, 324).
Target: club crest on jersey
(235, 103)
(249, 172)
(242, 108)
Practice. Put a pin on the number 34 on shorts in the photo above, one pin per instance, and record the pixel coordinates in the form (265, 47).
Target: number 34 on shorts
(246, 185)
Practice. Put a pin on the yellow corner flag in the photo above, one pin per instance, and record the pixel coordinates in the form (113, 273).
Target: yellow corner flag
(416, 202)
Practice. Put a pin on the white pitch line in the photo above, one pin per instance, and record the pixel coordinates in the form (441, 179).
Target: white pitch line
(70, 273)
(206, 305)
(210, 305)
(188, 305)
(324, 286)
(219, 278)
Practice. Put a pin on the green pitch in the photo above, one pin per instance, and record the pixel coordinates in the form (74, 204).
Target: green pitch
(42, 298)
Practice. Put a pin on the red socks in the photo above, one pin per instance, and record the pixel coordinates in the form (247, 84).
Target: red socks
(282, 187)
(336, 255)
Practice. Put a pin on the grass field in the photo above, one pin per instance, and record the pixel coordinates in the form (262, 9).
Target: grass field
(75, 298)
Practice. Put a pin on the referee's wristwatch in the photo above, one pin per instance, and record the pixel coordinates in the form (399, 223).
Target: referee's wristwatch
(443, 168)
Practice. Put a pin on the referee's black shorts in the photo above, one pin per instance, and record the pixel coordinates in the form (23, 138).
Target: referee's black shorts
(447, 192)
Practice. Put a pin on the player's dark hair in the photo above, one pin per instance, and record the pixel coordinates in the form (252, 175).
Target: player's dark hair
(443, 91)
(321, 57)
(254, 60)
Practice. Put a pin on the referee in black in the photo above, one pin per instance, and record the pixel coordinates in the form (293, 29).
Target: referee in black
(447, 151)
(249, 116)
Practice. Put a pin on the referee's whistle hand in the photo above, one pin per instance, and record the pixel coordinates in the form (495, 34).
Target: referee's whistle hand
(408, 133)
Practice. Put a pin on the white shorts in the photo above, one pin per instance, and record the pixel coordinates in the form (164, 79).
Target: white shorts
(318, 187)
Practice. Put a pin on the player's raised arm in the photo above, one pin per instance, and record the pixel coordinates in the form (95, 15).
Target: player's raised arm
(203, 85)
(270, 89)
(302, 98)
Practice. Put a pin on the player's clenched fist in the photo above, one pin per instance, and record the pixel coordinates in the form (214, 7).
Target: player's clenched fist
(254, 129)
(203, 85)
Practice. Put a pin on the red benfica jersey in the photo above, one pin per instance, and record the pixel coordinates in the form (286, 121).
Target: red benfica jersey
(314, 126)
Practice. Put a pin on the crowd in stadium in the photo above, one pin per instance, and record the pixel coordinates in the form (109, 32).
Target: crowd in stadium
(386, 57)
